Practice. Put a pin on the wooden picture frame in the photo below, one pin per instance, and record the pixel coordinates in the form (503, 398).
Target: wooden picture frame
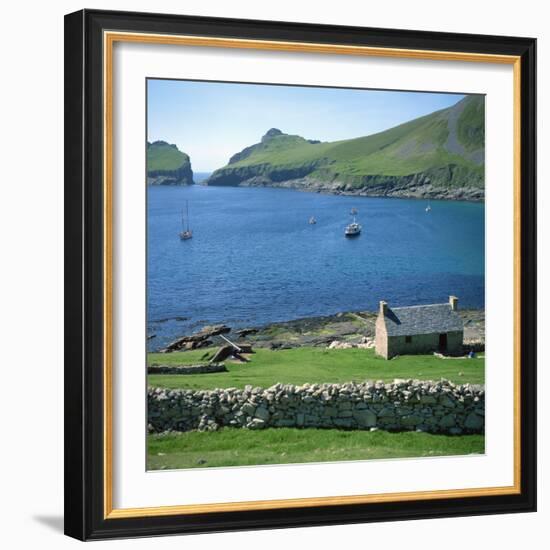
(89, 39)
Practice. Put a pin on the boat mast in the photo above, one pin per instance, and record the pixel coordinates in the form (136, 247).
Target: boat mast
(187, 213)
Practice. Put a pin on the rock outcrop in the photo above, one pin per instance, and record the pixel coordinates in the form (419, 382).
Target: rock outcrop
(167, 165)
(198, 340)
(440, 183)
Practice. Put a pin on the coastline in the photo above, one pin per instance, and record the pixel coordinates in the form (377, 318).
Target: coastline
(451, 183)
(350, 327)
(462, 194)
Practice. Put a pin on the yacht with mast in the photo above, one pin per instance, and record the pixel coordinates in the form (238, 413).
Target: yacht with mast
(353, 229)
(185, 233)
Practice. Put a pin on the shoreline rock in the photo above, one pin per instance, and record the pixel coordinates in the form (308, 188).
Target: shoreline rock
(417, 186)
(354, 327)
(200, 339)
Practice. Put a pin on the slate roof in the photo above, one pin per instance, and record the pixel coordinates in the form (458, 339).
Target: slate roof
(412, 320)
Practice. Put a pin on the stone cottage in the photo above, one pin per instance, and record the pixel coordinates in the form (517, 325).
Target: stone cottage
(419, 329)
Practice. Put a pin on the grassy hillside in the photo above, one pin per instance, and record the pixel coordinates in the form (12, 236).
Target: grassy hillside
(443, 149)
(167, 165)
(471, 125)
(164, 156)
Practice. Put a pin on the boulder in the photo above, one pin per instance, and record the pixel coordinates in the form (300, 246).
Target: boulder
(213, 330)
(428, 399)
(411, 420)
(447, 401)
(447, 421)
(365, 418)
(335, 344)
(262, 413)
(473, 422)
(249, 409)
(246, 331)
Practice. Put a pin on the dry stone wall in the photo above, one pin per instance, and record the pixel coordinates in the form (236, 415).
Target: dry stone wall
(188, 369)
(403, 405)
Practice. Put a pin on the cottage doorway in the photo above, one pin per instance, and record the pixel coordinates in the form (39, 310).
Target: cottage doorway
(443, 342)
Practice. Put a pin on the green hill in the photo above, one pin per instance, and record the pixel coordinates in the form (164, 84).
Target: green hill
(167, 165)
(440, 155)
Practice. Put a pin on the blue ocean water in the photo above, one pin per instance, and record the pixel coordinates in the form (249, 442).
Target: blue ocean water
(199, 177)
(254, 258)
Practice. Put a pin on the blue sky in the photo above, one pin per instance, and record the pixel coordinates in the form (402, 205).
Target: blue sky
(211, 121)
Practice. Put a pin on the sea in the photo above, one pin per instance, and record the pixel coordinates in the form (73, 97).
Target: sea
(254, 259)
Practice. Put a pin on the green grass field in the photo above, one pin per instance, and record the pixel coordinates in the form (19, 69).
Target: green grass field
(232, 447)
(315, 365)
(240, 447)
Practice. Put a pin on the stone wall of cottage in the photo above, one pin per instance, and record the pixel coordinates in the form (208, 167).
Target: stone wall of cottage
(424, 343)
(403, 405)
(381, 340)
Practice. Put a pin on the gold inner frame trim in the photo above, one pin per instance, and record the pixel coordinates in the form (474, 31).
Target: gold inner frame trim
(109, 39)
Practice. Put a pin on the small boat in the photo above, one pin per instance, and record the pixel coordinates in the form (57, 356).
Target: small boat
(353, 229)
(312, 220)
(428, 208)
(185, 233)
(353, 211)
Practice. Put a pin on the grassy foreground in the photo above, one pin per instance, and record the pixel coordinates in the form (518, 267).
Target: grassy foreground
(315, 365)
(232, 447)
(239, 447)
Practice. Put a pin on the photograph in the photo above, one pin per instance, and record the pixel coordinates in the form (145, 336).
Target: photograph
(299, 274)
(315, 274)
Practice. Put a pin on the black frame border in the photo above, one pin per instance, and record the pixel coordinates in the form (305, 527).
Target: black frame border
(84, 489)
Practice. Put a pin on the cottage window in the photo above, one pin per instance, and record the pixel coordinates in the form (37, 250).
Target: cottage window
(408, 339)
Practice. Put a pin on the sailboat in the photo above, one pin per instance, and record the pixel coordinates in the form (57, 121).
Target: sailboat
(185, 233)
(428, 208)
(312, 220)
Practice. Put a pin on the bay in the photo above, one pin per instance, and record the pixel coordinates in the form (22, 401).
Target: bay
(254, 259)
